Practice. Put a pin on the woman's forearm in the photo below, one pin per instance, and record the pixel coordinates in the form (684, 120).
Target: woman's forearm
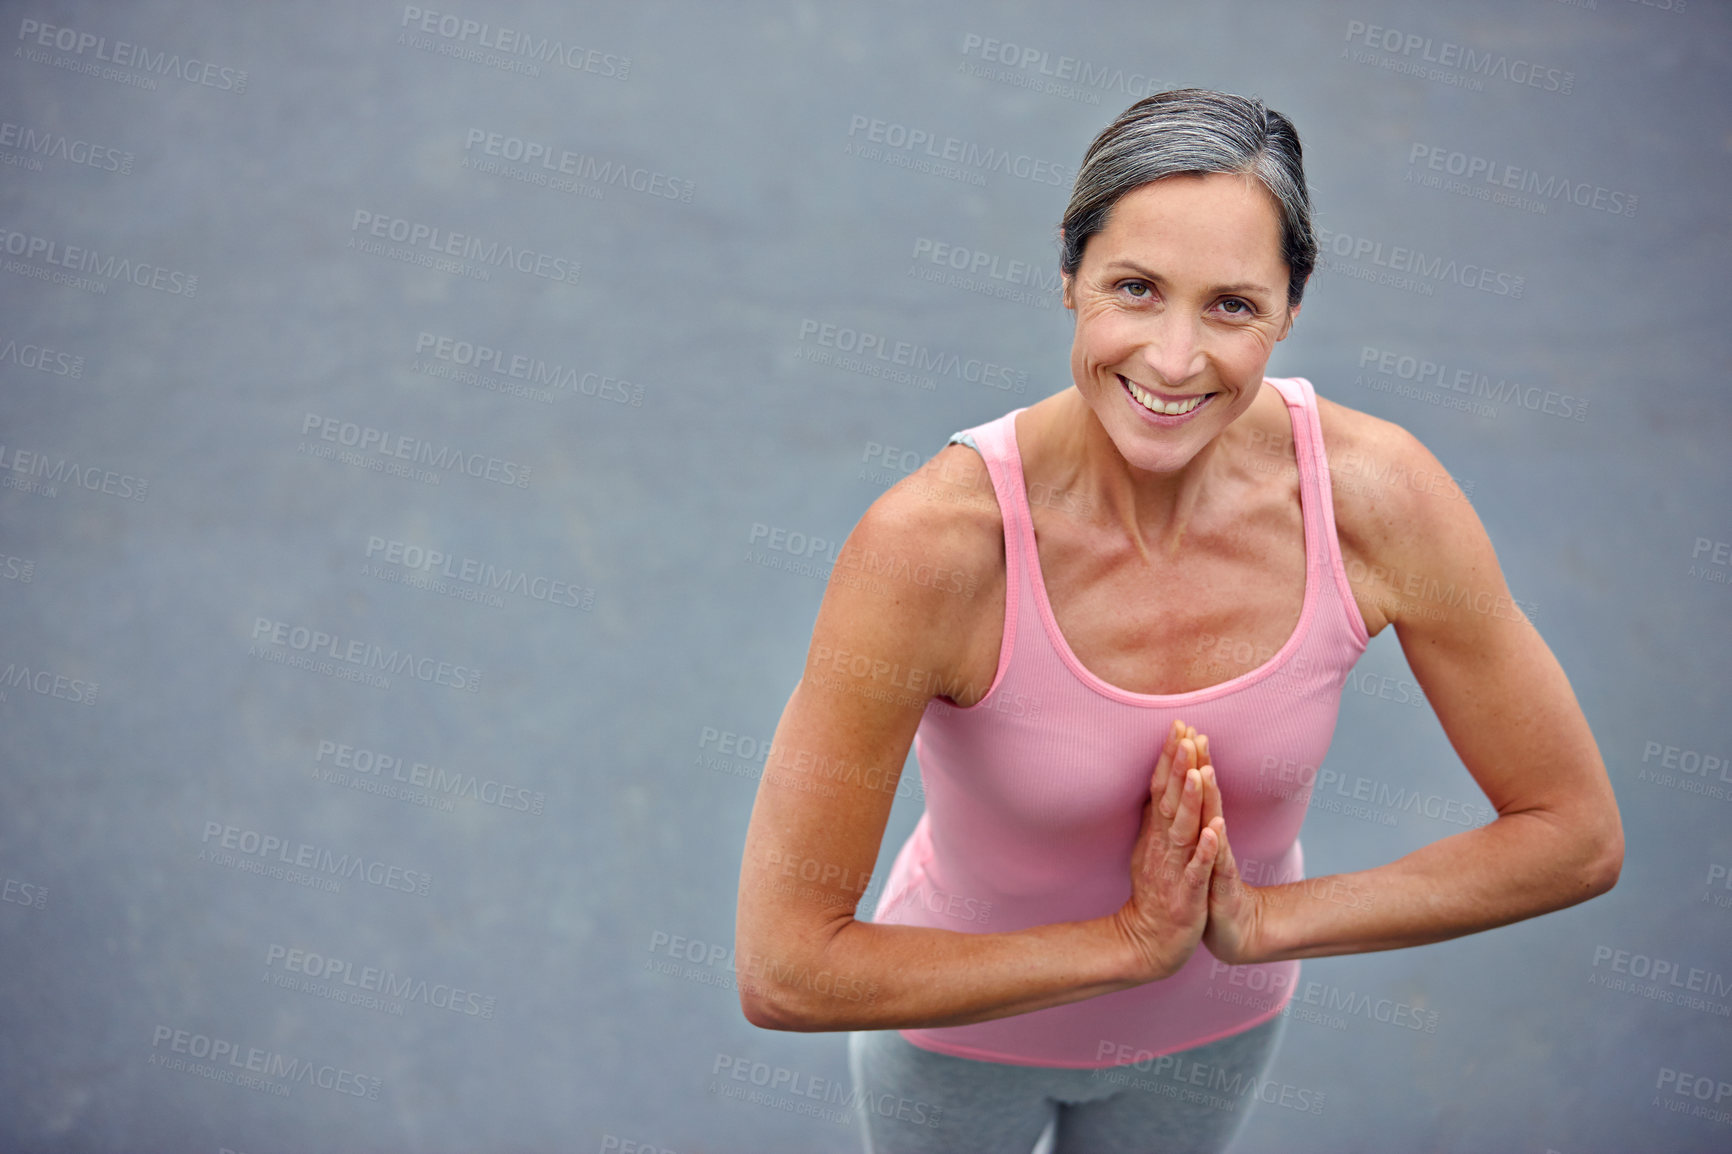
(1519, 866)
(880, 977)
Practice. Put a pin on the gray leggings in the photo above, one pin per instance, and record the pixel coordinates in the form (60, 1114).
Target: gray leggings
(920, 1102)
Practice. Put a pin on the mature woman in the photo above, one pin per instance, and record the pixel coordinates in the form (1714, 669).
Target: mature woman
(1118, 693)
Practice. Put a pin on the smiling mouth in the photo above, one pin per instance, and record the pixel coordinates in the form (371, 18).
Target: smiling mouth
(1154, 404)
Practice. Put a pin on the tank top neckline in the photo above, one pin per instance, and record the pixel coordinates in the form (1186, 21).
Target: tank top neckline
(1028, 563)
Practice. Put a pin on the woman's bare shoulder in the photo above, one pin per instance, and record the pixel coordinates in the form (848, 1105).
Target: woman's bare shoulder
(921, 579)
(945, 513)
(1379, 467)
(1392, 497)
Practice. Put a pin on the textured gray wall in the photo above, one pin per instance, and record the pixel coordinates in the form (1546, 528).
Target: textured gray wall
(227, 238)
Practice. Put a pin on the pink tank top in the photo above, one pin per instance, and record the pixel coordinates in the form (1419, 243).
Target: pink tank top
(1034, 794)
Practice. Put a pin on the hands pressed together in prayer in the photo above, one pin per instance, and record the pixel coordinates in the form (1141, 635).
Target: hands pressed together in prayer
(1185, 884)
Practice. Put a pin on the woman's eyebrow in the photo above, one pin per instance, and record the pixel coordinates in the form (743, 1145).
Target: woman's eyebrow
(1150, 274)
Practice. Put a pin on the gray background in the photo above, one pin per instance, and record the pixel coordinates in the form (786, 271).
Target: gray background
(562, 923)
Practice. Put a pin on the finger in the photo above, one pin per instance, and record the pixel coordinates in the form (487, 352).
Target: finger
(1212, 806)
(1203, 861)
(1226, 880)
(1148, 849)
(1203, 749)
(1226, 865)
(1185, 825)
(1164, 764)
(1184, 761)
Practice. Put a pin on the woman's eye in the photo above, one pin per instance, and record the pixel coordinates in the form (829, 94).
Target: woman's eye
(1137, 289)
(1243, 308)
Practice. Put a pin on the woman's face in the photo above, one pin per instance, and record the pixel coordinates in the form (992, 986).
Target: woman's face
(1179, 299)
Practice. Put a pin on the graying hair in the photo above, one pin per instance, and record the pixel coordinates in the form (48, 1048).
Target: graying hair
(1194, 130)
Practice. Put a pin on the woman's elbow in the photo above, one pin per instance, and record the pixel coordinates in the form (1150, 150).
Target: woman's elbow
(787, 984)
(1608, 860)
(762, 1009)
(768, 998)
(776, 1006)
(1597, 851)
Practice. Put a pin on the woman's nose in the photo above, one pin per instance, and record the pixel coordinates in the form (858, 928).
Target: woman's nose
(1173, 350)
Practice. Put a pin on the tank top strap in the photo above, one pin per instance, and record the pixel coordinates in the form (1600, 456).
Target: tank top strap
(995, 441)
(1317, 493)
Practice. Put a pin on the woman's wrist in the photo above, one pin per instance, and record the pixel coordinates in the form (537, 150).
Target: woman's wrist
(1123, 959)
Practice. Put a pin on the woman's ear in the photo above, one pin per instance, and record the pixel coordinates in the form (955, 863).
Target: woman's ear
(1293, 313)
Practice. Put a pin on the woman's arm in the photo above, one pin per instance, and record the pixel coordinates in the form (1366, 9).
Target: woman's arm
(1504, 704)
(803, 961)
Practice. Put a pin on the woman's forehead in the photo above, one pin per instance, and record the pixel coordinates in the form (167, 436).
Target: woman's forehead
(1211, 217)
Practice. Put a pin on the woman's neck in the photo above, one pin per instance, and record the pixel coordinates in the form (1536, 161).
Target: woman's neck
(1065, 448)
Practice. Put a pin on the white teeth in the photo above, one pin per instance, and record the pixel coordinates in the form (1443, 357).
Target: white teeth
(1154, 404)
